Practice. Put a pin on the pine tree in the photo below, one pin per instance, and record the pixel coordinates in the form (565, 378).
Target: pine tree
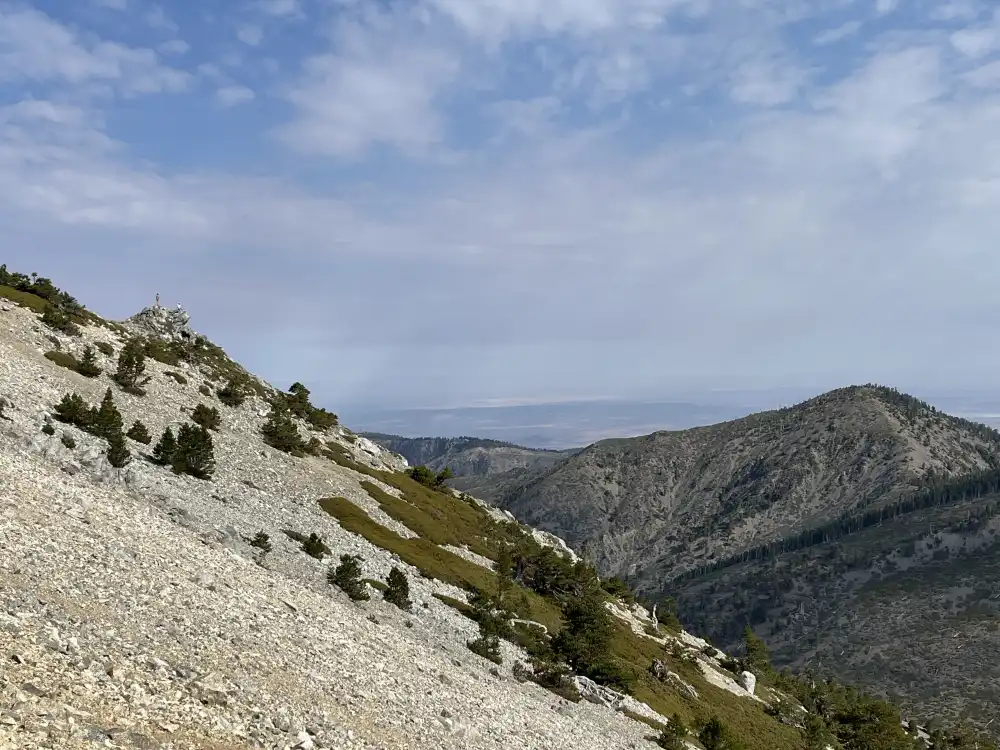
(131, 366)
(398, 590)
(758, 659)
(206, 416)
(347, 576)
(139, 433)
(493, 618)
(194, 453)
(118, 454)
(87, 366)
(280, 432)
(232, 393)
(108, 422)
(163, 452)
(74, 410)
(585, 639)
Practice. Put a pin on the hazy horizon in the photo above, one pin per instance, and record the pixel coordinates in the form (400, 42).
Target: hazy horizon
(561, 425)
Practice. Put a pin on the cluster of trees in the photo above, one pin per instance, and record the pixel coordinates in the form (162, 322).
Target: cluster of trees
(939, 493)
(104, 422)
(190, 452)
(428, 478)
(280, 430)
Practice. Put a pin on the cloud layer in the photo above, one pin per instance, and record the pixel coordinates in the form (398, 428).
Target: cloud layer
(444, 201)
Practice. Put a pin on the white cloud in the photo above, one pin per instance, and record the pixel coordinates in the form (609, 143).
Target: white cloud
(250, 34)
(371, 91)
(766, 83)
(34, 47)
(230, 96)
(975, 42)
(838, 33)
(112, 4)
(156, 18)
(174, 47)
(280, 8)
(882, 7)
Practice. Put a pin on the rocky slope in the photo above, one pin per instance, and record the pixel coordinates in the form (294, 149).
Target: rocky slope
(667, 509)
(135, 614)
(467, 457)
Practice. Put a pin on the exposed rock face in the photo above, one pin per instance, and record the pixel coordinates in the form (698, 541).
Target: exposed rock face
(748, 681)
(171, 324)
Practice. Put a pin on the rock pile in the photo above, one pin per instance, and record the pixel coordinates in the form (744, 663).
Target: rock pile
(171, 324)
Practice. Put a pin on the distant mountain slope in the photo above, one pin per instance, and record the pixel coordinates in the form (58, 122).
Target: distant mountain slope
(856, 531)
(466, 456)
(661, 504)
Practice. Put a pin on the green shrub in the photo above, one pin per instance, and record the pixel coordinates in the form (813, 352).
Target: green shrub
(68, 440)
(105, 348)
(87, 366)
(194, 453)
(176, 377)
(313, 545)
(233, 393)
(281, 433)
(206, 416)
(75, 411)
(347, 577)
(139, 433)
(398, 590)
(428, 478)
(63, 360)
(673, 734)
(204, 390)
(714, 735)
(170, 353)
(297, 402)
(262, 542)
(59, 320)
(48, 429)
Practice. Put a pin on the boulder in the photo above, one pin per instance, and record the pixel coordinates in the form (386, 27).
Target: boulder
(748, 681)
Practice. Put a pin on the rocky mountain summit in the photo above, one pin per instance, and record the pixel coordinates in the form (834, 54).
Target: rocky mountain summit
(168, 324)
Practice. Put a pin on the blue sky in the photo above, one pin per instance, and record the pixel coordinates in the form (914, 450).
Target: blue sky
(450, 202)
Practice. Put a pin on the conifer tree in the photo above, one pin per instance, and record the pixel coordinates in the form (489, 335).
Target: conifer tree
(163, 451)
(280, 431)
(262, 542)
(139, 433)
(118, 454)
(206, 416)
(193, 453)
(398, 589)
(108, 422)
(131, 365)
(87, 366)
(757, 659)
(74, 410)
(347, 576)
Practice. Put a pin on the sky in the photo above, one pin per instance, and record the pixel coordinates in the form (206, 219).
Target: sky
(448, 202)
